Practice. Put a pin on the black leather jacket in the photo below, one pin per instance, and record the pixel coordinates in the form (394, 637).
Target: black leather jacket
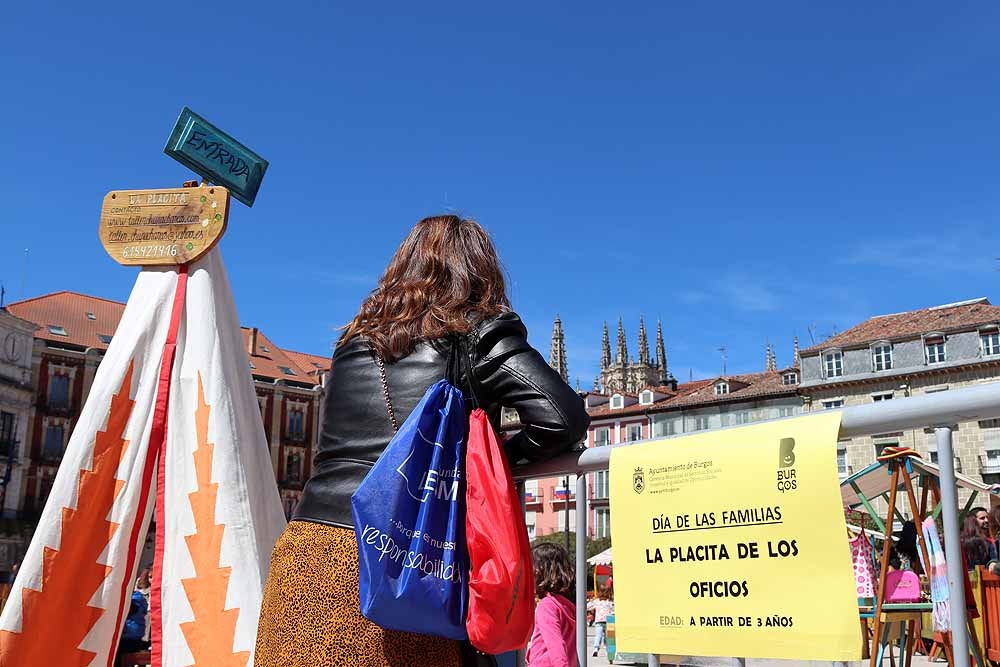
(506, 372)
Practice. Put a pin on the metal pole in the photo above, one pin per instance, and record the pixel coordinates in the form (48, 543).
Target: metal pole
(520, 657)
(581, 567)
(953, 547)
(566, 522)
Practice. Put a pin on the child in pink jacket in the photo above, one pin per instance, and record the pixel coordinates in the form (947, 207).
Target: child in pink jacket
(553, 642)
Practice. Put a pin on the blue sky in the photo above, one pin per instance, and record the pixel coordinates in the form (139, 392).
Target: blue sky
(745, 171)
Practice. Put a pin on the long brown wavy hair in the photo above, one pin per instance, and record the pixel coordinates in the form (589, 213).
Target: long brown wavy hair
(444, 279)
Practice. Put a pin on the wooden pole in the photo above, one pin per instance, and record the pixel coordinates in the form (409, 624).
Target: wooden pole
(884, 570)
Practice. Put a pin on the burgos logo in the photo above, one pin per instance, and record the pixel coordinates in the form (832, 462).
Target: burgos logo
(638, 481)
(786, 465)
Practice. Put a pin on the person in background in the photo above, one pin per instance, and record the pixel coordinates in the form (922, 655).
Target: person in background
(134, 633)
(603, 606)
(904, 554)
(977, 553)
(994, 517)
(143, 584)
(977, 524)
(552, 642)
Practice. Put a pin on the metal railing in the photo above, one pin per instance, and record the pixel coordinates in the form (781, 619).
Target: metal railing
(940, 411)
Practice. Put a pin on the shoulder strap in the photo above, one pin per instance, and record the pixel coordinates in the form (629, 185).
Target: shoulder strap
(385, 391)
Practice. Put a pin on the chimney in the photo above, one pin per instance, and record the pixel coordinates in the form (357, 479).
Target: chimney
(252, 342)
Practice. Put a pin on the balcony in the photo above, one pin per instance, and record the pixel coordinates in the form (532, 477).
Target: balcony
(989, 462)
(295, 438)
(56, 408)
(560, 497)
(533, 501)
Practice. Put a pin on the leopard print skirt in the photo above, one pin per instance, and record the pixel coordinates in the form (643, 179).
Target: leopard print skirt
(310, 616)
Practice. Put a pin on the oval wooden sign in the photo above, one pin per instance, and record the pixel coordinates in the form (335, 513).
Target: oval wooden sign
(158, 227)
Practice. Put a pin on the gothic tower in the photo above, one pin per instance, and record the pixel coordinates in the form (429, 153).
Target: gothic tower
(605, 349)
(772, 361)
(795, 352)
(557, 353)
(621, 354)
(643, 343)
(661, 354)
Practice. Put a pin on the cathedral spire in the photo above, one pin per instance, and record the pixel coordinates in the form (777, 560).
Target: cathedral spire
(621, 356)
(557, 353)
(795, 351)
(772, 360)
(643, 343)
(605, 349)
(661, 353)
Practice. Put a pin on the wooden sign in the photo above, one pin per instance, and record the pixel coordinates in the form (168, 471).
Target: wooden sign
(216, 156)
(158, 227)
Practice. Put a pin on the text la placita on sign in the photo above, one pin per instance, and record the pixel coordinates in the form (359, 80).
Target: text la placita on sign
(163, 227)
(733, 544)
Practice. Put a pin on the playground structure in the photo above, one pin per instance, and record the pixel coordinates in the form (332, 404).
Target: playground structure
(940, 411)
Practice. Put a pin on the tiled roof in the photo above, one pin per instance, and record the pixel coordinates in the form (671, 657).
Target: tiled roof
(702, 392)
(912, 324)
(85, 319)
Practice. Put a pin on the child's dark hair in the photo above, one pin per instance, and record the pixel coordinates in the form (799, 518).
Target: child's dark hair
(553, 573)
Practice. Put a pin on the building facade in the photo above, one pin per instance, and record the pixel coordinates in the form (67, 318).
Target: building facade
(16, 345)
(71, 333)
(908, 354)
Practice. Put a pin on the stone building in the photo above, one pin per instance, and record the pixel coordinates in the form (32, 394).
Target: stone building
(16, 336)
(907, 354)
(71, 335)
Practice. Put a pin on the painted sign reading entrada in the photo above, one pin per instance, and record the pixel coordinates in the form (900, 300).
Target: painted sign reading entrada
(216, 156)
(158, 227)
(733, 543)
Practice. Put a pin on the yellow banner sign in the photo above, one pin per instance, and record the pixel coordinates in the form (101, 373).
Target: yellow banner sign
(734, 543)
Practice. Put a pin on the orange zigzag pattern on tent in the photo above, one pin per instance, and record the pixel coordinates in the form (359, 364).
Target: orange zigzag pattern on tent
(56, 619)
(211, 634)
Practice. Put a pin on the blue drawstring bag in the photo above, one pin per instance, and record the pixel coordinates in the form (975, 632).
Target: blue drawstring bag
(409, 519)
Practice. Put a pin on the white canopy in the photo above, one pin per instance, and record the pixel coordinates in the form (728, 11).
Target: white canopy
(603, 558)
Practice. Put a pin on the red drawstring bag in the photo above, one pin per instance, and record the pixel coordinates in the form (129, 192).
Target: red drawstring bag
(501, 580)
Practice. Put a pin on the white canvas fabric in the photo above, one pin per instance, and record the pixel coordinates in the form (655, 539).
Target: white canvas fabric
(222, 512)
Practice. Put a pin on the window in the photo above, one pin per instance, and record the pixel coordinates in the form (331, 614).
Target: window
(880, 444)
(104, 338)
(52, 448)
(721, 389)
(833, 404)
(842, 468)
(264, 348)
(663, 427)
(7, 421)
(991, 461)
(989, 423)
(882, 396)
(602, 437)
(743, 417)
(57, 330)
(934, 349)
(603, 519)
(934, 459)
(833, 363)
(91, 316)
(293, 467)
(790, 379)
(701, 423)
(59, 391)
(286, 370)
(601, 485)
(882, 357)
(646, 398)
(296, 423)
(991, 342)
(617, 402)
(251, 365)
(788, 411)
(634, 432)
